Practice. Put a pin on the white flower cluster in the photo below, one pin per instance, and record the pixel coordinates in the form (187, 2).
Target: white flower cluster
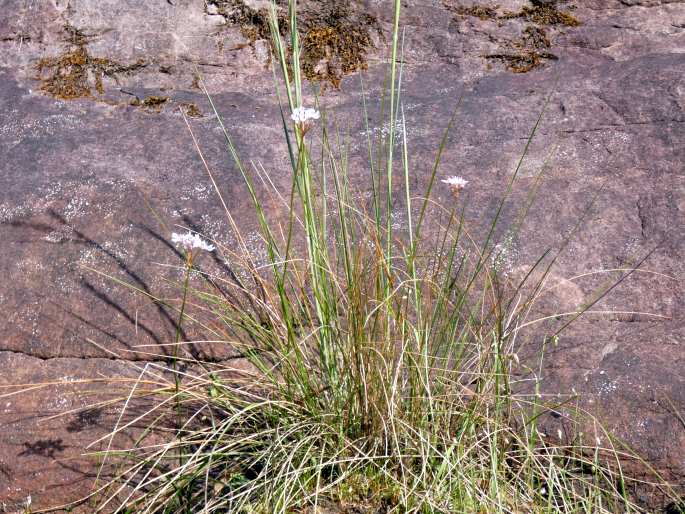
(455, 182)
(304, 115)
(190, 241)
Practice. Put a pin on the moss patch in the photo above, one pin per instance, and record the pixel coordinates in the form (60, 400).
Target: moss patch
(527, 53)
(336, 41)
(533, 47)
(544, 15)
(191, 110)
(524, 61)
(153, 103)
(335, 37)
(535, 37)
(68, 76)
(253, 23)
(75, 73)
(479, 11)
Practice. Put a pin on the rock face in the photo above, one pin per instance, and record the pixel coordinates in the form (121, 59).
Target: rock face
(97, 166)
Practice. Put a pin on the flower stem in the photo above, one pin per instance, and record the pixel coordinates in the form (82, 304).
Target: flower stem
(179, 333)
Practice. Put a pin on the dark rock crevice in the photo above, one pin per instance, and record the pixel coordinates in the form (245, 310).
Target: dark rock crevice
(76, 359)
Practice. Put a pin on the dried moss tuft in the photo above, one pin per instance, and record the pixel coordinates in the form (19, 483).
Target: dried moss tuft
(527, 53)
(253, 23)
(524, 61)
(544, 15)
(532, 49)
(191, 110)
(335, 38)
(478, 11)
(153, 103)
(335, 43)
(535, 37)
(75, 73)
(67, 75)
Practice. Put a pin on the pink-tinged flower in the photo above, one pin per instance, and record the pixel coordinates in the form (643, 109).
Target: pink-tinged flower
(191, 241)
(456, 183)
(304, 118)
(304, 115)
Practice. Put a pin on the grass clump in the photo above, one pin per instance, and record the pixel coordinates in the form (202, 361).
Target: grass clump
(378, 369)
